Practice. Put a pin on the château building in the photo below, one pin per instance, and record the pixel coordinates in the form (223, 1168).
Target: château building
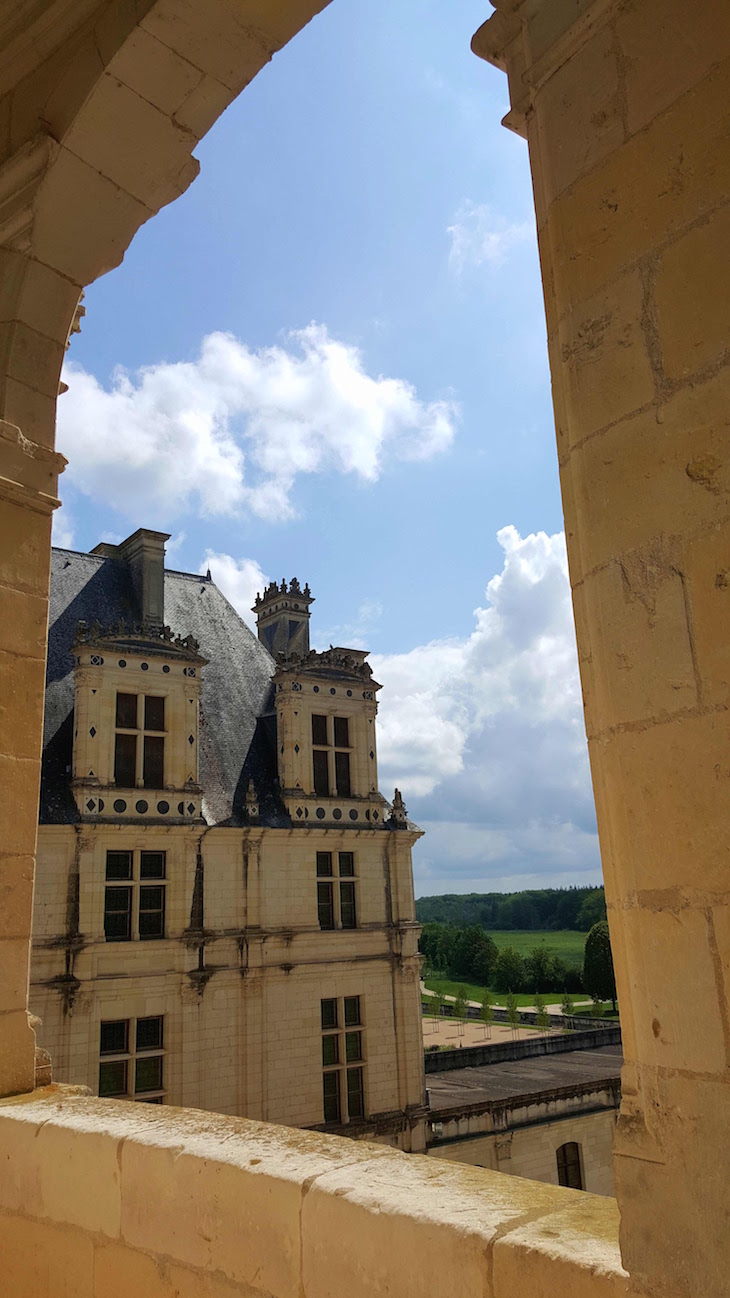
(224, 913)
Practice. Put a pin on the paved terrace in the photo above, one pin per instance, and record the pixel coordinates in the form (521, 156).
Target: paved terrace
(518, 1079)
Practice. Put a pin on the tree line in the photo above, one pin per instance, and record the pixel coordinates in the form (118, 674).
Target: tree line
(532, 910)
(471, 954)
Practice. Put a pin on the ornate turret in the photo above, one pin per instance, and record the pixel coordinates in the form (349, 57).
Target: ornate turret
(282, 618)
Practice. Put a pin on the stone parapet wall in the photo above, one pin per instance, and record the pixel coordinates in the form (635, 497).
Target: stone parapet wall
(101, 1199)
(495, 1052)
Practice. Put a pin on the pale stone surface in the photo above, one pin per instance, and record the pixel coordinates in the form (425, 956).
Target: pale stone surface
(572, 1253)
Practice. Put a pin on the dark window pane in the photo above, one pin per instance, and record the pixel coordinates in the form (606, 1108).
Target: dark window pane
(352, 1011)
(113, 1078)
(355, 1096)
(117, 914)
(331, 1087)
(154, 712)
(152, 1099)
(324, 863)
(321, 773)
(319, 730)
(331, 1049)
(347, 864)
(148, 1074)
(154, 760)
(125, 761)
(353, 1046)
(569, 1172)
(348, 918)
(127, 711)
(152, 865)
(114, 1037)
(329, 1014)
(325, 905)
(119, 865)
(151, 912)
(149, 1033)
(342, 774)
(342, 732)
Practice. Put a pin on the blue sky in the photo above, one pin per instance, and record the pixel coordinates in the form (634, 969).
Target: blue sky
(370, 409)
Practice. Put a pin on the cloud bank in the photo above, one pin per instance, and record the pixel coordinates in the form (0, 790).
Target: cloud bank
(234, 429)
(485, 735)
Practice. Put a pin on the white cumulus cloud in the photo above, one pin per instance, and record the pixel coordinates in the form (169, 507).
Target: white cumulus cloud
(233, 429)
(239, 579)
(479, 235)
(485, 734)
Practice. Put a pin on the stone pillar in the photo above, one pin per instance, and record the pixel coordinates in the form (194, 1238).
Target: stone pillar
(625, 108)
(36, 307)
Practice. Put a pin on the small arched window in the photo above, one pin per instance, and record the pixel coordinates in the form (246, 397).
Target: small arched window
(570, 1172)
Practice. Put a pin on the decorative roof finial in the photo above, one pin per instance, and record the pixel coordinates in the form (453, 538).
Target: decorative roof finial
(399, 813)
(252, 802)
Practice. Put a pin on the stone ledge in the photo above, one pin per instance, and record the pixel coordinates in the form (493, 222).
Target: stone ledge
(288, 1213)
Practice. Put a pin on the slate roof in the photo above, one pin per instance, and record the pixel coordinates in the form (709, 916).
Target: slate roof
(238, 728)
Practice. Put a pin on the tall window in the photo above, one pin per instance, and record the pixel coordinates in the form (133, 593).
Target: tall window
(343, 1083)
(331, 756)
(131, 1058)
(139, 744)
(570, 1172)
(336, 890)
(134, 897)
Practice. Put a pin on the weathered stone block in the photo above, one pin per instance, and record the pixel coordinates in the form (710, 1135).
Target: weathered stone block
(154, 71)
(573, 1252)
(424, 1229)
(641, 666)
(692, 291)
(608, 372)
(665, 938)
(39, 1259)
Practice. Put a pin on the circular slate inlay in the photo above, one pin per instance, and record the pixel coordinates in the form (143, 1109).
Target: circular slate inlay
(315, 689)
(122, 662)
(337, 814)
(333, 690)
(141, 807)
(163, 808)
(320, 813)
(120, 805)
(101, 804)
(145, 667)
(349, 694)
(353, 814)
(181, 808)
(165, 669)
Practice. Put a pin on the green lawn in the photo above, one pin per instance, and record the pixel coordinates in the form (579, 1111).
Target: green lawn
(564, 941)
(474, 993)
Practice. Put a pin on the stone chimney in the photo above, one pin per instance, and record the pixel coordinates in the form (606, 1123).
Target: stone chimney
(144, 553)
(282, 618)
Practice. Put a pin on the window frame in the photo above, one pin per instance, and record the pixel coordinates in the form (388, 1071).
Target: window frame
(141, 734)
(138, 886)
(570, 1165)
(331, 755)
(332, 881)
(130, 1057)
(344, 1099)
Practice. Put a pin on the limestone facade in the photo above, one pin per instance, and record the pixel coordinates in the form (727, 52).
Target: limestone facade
(222, 919)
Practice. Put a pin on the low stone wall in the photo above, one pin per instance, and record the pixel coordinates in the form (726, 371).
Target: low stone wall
(107, 1199)
(495, 1052)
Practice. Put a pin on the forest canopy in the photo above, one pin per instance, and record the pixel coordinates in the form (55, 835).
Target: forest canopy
(537, 910)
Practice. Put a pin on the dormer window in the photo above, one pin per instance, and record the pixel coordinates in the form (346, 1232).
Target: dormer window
(331, 756)
(139, 745)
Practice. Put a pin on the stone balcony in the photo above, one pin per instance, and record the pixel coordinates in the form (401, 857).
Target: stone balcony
(103, 1199)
